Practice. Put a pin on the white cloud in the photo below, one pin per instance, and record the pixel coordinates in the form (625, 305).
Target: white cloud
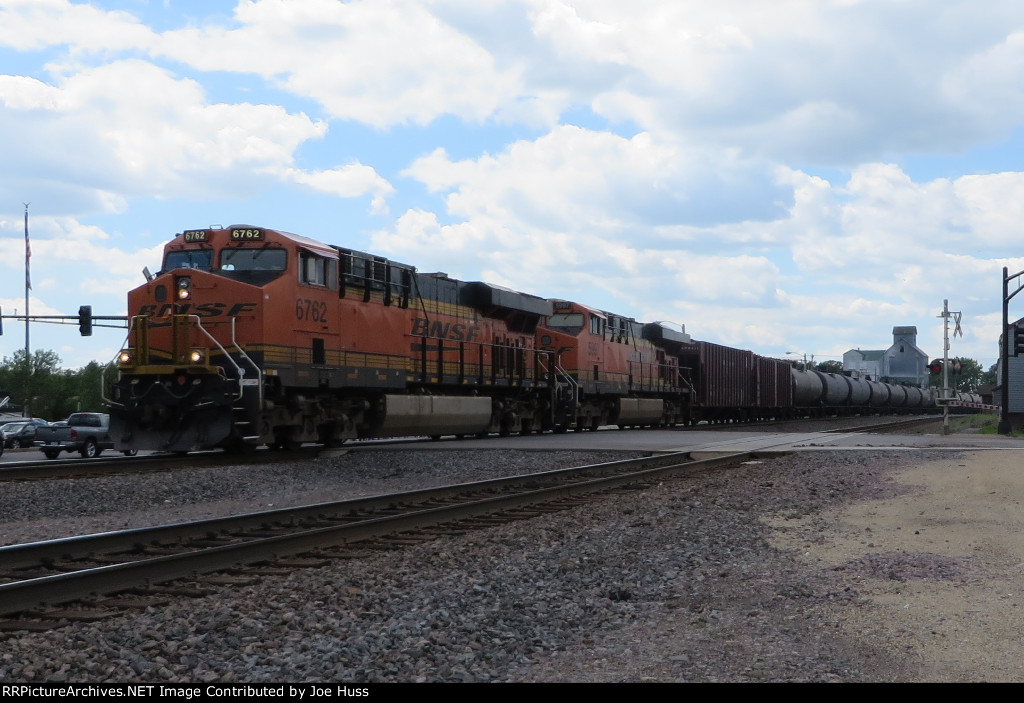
(349, 181)
(135, 129)
(384, 62)
(577, 180)
(699, 207)
(36, 24)
(882, 249)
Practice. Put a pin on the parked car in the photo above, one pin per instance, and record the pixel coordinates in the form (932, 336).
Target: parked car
(21, 433)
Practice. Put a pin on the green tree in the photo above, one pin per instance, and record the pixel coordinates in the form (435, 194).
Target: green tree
(32, 385)
(829, 366)
(81, 391)
(45, 390)
(969, 379)
(989, 377)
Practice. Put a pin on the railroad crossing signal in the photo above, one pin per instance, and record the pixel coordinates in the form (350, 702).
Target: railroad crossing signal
(935, 368)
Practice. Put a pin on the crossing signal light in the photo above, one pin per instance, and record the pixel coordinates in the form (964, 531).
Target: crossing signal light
(85, 320)
(935, 368)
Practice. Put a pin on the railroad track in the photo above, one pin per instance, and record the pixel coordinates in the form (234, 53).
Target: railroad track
(48, 584)
(45, 470)
(144, 563)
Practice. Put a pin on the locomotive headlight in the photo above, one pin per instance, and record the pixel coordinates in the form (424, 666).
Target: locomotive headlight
(125, 358)
(197, 356)
(184, 288)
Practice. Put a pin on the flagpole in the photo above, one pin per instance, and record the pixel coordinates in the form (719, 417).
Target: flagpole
(28, 287)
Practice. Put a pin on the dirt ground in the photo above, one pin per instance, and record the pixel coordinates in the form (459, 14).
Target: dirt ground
(960, 531)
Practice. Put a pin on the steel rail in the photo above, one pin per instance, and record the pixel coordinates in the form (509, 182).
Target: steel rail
(22, 555)
(30, 594)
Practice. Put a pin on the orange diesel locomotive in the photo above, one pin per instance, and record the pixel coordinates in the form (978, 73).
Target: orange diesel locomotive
(252, 336)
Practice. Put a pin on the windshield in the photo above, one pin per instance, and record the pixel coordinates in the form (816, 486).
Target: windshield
(253, 259)
(189, 259)
(569, 323)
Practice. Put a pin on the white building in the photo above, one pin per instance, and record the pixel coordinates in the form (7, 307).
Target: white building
(903, 362)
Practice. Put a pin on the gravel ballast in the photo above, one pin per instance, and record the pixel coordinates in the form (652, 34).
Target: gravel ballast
(673, 583)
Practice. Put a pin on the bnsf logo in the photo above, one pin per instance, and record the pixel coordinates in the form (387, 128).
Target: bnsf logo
(202, 310)
(456, 331)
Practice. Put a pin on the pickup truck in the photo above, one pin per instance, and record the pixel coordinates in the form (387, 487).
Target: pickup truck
(85, 433)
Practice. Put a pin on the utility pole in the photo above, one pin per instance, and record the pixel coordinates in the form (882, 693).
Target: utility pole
(28, 283)
(28, 353)
(946, 314)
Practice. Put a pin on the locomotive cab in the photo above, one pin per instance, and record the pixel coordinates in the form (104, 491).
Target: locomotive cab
(192, 372)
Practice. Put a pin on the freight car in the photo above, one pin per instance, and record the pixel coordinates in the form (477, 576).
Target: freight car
(735, 385)
(250, 336)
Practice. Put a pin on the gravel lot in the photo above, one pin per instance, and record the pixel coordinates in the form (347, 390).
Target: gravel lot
(681, 582)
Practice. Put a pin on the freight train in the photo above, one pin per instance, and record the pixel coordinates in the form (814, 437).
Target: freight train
(250, 336)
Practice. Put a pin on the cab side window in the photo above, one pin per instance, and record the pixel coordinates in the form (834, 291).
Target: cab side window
(316, 270)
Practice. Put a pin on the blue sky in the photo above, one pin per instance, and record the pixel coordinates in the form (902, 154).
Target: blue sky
(785, 177)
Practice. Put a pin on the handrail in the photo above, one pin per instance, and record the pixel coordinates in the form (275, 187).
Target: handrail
(570, 381)
(109, 402)
(239, 369)
(566, 379)
(259, 371)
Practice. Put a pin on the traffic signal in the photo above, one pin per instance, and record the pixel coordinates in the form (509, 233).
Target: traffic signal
(1018, 340)
(85, 320)
(935, 368)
